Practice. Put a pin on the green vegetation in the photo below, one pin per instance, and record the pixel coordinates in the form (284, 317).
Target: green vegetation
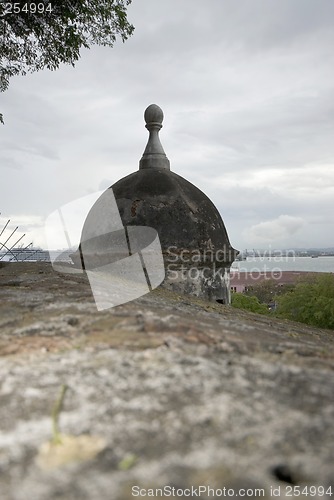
(310, 301)
(46, 34)
(268, 290)
(128, 461)
(242, 301)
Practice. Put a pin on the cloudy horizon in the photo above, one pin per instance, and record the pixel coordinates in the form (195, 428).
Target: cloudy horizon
(247, 92)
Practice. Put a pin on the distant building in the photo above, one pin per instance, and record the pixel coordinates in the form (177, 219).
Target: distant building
(240, 282)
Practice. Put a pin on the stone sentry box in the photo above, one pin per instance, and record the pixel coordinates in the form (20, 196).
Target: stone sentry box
(196, 249)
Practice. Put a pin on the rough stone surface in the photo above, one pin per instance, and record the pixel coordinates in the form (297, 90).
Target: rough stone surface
(181, 213)
(182, 392)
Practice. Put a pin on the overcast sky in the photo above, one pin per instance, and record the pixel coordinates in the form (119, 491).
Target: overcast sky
(247, 90)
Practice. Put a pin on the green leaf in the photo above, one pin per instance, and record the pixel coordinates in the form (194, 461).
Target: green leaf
(31, 41)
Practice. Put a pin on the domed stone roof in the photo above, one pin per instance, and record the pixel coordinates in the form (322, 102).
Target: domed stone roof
(180, 212)
(185, 219)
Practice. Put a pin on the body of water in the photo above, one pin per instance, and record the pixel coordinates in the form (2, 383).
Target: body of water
(264, 264)
(252, 264)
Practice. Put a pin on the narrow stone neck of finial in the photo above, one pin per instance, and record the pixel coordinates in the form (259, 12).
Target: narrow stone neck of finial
(154, 155)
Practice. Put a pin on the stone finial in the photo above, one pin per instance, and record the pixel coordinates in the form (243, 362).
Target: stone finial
(154, 155)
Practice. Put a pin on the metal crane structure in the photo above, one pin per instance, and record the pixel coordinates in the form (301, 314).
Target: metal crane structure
(12, 248)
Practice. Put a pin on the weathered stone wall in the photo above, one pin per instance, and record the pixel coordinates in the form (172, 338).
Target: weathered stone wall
(165, 390)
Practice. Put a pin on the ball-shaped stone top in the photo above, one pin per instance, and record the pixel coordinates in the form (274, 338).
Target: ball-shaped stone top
(153, 114)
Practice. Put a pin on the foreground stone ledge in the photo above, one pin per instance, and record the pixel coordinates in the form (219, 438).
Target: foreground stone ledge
(196, 393)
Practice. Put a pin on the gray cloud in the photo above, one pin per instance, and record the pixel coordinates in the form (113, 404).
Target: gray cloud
(247, 90)
(271, 231)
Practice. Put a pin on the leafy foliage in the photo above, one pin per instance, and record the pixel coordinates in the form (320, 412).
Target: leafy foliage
(267, 290)
(242, 301)
(31, 41)
(310, 302)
